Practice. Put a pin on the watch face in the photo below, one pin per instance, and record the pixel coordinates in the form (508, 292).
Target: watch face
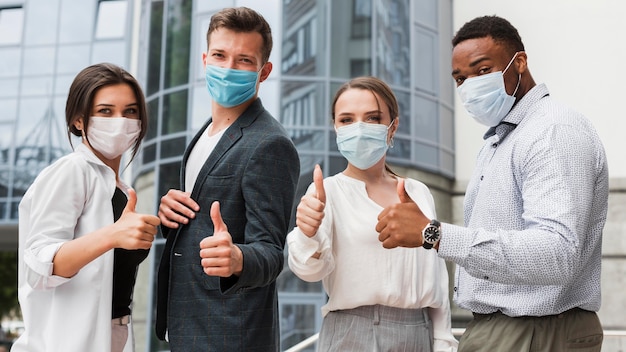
(431, 234)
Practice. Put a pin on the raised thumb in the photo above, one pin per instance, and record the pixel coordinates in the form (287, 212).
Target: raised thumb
(318, 180)
(132, 201)
(216, 217)
(404, 197)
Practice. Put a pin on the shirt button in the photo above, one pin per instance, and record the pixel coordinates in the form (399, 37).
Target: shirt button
(481, 177)
(486, 277)
(455, 288)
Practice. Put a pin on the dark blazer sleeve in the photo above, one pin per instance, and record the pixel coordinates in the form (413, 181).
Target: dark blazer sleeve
(268, 185)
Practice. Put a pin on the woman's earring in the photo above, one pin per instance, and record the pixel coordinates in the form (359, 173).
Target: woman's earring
(391, 142)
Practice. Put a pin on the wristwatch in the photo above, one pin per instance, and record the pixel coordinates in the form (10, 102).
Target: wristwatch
(431, 234)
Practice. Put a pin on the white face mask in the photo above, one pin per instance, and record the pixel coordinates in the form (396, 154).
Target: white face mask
(363, 144)
(485, 97)
(112, 136)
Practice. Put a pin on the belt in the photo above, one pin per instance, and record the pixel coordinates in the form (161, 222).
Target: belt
(125, 320)
(379, 313)
(479, 316)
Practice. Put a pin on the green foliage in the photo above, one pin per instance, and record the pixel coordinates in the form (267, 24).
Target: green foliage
(8, 283)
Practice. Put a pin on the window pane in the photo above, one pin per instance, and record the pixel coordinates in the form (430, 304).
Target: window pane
(9, 87)
(113, 51)
(201, 106)
(350, 38)
(73, 23)
(11, 25)
(425, 67)
(393, 42)
(426, 119)
(111, 22)
(178, 43)
(427, 155)
(38, 61)
(174, 113)
(71, 57)
(169, 177)
(148, 154)
(6, 141)
(154, 47)
(153, 119)
(41, 24)
(10, 61)
(173, 147)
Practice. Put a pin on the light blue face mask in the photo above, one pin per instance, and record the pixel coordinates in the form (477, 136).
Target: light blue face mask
(229, 87)
(363, 144)
(485, 97)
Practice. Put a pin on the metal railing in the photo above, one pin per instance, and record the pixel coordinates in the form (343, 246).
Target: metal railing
(457, 332)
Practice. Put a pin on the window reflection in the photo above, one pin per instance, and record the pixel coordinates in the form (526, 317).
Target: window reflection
(154, 47)
(11, 25)
(178, 43)
(111, 19)
(393, 43)
(361, 19)
(299, 49)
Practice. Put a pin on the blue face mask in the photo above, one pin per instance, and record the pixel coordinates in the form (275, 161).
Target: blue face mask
(229, 87)
(485, 97)
(363, 144)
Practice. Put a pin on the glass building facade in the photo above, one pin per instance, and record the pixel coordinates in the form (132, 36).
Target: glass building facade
(43, 45)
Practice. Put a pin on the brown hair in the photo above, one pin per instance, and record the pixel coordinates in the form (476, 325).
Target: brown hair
(374, 85)
(84, 88)
(243, 19)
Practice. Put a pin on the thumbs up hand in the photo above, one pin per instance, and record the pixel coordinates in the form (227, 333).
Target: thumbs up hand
(401, 224)
(220, 257)
(310, 211)
(133, 230)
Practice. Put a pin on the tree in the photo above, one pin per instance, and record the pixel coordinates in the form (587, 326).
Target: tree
(8, 283)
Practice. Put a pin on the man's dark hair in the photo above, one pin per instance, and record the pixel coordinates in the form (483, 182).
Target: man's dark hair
(243, 19)
(501, 30)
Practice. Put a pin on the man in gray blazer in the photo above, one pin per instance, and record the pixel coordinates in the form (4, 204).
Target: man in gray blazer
(226, 228)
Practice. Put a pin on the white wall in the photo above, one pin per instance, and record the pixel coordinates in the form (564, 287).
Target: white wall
(575, 47)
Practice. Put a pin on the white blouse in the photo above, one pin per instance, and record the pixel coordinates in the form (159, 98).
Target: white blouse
(356, 270)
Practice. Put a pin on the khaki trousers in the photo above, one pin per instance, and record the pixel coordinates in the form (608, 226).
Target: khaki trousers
(574, 330)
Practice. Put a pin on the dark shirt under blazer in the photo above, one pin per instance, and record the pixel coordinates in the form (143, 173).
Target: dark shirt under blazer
(253, 172)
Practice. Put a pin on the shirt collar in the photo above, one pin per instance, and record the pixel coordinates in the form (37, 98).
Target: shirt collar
(517, 114)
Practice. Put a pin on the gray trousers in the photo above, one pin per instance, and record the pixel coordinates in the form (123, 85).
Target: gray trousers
(377, 329)
(574, 330)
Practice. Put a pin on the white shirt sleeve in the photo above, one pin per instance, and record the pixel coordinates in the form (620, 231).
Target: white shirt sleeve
(302, 247)
(49, 213)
